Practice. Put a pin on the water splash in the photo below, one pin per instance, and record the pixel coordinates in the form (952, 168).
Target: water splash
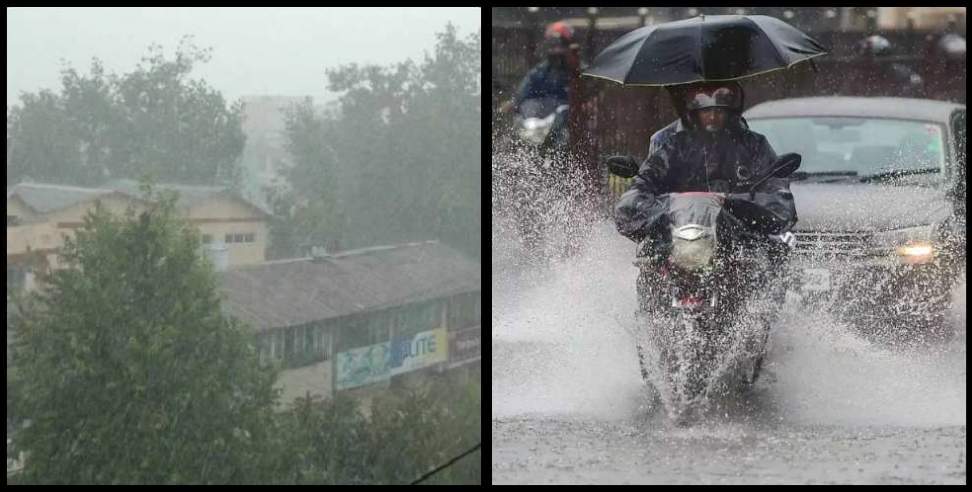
(562, 347)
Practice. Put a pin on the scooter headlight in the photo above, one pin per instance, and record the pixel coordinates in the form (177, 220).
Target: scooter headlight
(535, 130)
(693, 247)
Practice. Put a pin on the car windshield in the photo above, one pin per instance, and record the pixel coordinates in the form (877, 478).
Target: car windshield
(864, 146)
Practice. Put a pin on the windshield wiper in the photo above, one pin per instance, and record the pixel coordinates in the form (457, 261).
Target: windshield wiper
(894, 173)
(805, 175)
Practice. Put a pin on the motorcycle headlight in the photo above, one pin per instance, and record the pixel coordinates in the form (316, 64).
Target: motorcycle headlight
(535, 130)
(913, 245)
(693, 247)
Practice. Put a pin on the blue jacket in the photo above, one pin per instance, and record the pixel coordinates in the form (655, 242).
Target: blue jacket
(543, 81)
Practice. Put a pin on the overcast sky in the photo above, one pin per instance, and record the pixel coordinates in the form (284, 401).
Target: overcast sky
(280, 51)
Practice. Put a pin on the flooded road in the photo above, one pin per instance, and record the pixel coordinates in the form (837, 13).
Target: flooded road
(569, 406)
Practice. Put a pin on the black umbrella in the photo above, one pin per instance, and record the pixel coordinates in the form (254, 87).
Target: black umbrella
(704, 48)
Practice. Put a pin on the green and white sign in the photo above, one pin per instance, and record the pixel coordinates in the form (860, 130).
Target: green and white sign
(362, 366)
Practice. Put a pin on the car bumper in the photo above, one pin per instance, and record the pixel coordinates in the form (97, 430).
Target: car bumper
(866, 287)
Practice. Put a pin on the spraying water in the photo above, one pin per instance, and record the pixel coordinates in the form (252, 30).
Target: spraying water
(562, 346)
(569, 404)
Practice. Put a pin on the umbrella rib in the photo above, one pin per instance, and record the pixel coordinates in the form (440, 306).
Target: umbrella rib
(644, 41)
(716, 80)
(700, 58)
(776, 48)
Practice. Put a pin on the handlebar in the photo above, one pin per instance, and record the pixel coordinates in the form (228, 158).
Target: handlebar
(742, 210)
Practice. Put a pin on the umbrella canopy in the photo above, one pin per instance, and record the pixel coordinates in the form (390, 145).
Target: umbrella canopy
(704, 48)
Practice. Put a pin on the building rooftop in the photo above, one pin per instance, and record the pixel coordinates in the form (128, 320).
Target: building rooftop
(298, 291)
(44, 198)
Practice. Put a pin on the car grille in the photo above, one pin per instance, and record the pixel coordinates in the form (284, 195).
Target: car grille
(838, 244)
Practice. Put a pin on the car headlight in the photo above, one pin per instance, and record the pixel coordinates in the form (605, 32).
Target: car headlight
(913, 245)
(535, 130)
(692, 247)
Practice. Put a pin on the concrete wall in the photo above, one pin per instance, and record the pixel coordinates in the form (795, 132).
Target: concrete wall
(296, 383)
(17, 208)
(223, 215)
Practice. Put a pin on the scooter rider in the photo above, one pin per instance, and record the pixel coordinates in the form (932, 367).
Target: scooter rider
(550, 78)
(714, 153)
(677, 94)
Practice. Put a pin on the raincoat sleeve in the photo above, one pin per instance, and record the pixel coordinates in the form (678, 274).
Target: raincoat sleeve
(527, 86)
(638, 210)
(775, 193)
(659, 137)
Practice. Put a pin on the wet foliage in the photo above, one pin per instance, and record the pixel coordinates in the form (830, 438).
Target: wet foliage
(125, 371)
(396, 159)
(154, 121)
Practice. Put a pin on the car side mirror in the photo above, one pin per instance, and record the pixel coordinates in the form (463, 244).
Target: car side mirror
(623, 166)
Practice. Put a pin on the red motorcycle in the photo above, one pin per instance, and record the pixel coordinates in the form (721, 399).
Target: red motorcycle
(711, 282)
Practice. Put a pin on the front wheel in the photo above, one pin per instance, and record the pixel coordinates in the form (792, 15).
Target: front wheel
(688, 370)
(652, 393)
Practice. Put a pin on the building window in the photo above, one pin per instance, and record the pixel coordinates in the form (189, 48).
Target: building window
(323, 337)
(264, 348)
(463, 311)
(207, 238)
(299, 341)
(249, 238)
(229, 238)
(289, 343)
(12, 220)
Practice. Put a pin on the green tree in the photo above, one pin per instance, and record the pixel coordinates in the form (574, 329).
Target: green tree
(129, 372)
(153, 120)
(309, 212)
(177, 129)
(422, 428)
(401, 155)
(42, 143)
(405, 434)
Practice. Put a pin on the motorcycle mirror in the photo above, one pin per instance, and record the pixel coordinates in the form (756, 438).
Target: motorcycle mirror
(784, 166)
(623, 166)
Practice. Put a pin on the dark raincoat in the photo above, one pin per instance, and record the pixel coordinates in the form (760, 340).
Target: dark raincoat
(543, 81)
(693, 160)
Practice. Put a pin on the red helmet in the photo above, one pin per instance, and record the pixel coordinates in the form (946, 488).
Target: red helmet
(560, 30)
(558, 37)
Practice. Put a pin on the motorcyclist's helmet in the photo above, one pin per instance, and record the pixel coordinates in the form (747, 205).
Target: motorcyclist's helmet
(558, 38)
(875, 46)
(705, 96)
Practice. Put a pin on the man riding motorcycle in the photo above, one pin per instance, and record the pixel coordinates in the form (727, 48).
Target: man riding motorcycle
(550, 78)
(714, 152)
(709, 209)
(539, 171)
(677, 94)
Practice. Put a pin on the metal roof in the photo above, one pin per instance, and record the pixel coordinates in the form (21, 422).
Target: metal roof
(189, 195)
(871, 107)
(294, 292)
(44, 198)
